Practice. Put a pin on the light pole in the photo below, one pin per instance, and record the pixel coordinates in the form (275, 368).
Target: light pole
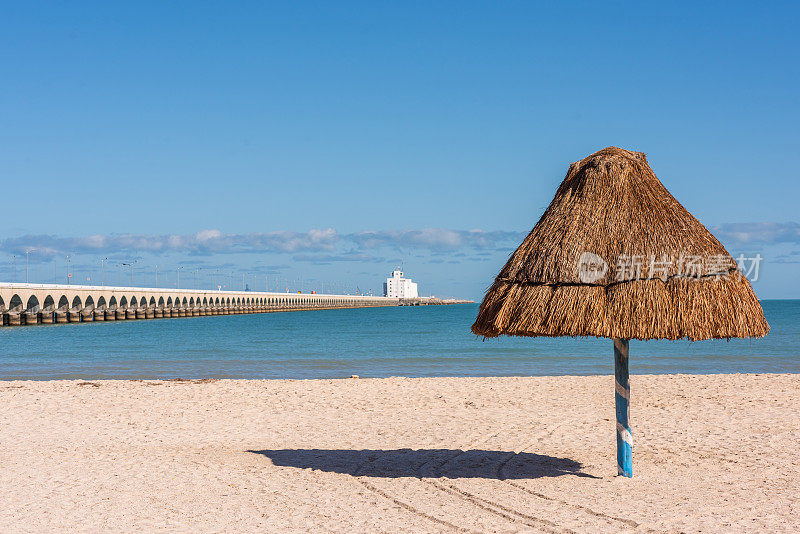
(27, 253)
(14, 259)
(68, 273)
(178, 281)
(102, 271)
(156, 276)
(131, 266)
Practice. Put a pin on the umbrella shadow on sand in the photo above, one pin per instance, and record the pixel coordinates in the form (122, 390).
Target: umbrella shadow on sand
(434, 463)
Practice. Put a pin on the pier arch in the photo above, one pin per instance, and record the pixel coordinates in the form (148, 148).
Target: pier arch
(32, 305)
(15, 303)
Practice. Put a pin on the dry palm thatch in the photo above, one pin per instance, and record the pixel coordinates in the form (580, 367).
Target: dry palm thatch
(615, 255)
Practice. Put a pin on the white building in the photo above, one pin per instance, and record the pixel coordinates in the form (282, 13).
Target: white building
(399, 287)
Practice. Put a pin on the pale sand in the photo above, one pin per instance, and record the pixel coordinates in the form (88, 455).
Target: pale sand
(711, 453)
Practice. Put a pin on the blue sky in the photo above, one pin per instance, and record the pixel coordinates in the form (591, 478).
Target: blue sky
(310, 143)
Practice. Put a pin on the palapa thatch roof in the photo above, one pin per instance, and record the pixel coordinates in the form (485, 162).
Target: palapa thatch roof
(665, 275)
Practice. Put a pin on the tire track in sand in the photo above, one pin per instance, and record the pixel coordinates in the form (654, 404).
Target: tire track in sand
(601, 515)
(402, 504)
(419, 513)
(509, 514)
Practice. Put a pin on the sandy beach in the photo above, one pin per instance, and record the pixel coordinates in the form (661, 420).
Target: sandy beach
(711, 453)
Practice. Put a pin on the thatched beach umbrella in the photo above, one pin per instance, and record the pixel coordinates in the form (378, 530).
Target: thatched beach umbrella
(615, 255)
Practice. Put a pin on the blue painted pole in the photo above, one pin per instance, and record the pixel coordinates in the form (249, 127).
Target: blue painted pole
(622, 398)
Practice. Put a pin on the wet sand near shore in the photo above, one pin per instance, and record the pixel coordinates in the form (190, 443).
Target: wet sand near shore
(711, 453)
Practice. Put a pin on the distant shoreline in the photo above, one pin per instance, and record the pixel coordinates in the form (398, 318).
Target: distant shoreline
(7, 382)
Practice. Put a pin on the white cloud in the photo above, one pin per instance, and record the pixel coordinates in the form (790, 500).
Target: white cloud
(759, 233)
(206, 235)
(331, 258)
(202, 243)
(310, 246)
(435, 239)
(212, 241)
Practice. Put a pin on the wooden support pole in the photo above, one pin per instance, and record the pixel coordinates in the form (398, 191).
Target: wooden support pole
(622, 397)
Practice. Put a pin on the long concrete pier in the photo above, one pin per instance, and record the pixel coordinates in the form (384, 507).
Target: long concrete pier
(30, 304)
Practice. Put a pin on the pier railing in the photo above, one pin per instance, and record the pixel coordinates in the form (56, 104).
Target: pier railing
(29, 304)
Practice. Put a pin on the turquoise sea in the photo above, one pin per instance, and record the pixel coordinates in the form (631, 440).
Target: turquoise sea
(378, 342)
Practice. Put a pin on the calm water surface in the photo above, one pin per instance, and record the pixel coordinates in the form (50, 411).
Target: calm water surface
(378, 342)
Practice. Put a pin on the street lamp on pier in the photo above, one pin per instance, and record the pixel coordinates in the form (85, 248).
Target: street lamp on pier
(102, 271)
(27, 253)
(131, 266)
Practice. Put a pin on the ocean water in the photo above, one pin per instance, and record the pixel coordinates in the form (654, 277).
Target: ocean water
(377, 342)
